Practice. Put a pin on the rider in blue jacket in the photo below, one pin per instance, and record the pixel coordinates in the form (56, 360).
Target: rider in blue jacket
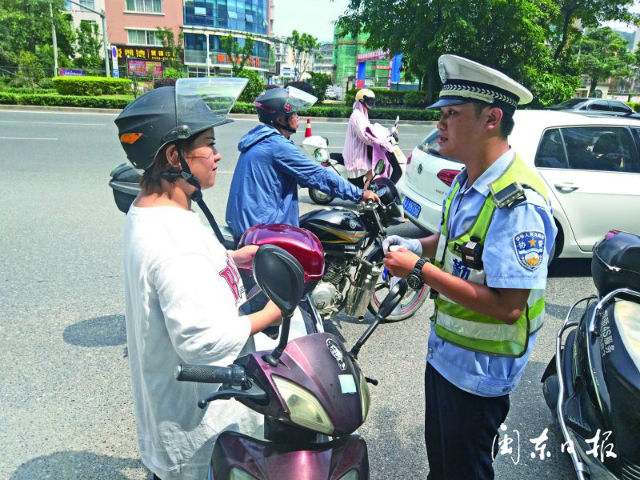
(265, 182)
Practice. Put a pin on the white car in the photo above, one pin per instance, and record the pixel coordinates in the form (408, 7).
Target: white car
(591, 166)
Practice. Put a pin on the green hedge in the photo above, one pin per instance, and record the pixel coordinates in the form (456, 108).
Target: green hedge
(92, 86)
(27, 90)
(240, 107)
(63, 100)
(386, 97)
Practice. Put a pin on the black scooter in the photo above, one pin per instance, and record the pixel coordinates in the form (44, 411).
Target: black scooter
(593, 382)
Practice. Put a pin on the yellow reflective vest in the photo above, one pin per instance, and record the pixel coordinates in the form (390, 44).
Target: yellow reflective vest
(462, 326)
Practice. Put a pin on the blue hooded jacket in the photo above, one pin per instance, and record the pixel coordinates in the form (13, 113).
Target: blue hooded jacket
(265, 182)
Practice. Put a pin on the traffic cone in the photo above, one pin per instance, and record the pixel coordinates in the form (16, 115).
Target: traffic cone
(307, 132)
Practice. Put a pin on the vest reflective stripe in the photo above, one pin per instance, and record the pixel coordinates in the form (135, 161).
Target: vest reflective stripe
(466, 328)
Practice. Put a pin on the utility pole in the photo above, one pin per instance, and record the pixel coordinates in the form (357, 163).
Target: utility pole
(55, 42)
(104, 33)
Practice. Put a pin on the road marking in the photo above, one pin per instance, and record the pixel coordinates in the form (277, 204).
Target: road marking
(58, 123)
(29, 138)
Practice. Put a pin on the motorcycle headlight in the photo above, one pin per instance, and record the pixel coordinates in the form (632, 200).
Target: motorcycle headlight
(627, 314)
(237, 474)
(304, 409)
(364, 397)
(321, 155)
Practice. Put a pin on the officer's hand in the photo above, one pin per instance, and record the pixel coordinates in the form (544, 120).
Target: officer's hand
(411, 244)
(369, 196)
(400, 262)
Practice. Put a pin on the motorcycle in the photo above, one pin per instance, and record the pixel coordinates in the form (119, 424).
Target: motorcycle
(311, 391)
(593, 382)
(354, 279)
(317, 147)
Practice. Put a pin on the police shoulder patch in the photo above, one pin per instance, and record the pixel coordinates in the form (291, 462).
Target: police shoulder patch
(529, 247)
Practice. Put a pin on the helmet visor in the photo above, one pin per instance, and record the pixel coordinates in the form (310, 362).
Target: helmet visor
(298, 100)
(205, 102)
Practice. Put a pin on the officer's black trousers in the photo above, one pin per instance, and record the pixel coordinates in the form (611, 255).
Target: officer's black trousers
(460, 429)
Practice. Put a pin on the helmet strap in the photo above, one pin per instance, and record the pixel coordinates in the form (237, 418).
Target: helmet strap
(284, 127)
(196, 196)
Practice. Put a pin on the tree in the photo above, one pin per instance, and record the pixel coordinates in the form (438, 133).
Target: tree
(30, 71)
(253, 88)
(320, 82)
(602, 53)
(89, 47)
(25, 26)
(238, 54)
(169, 42)
(586, 13)
(514, 37)
(302, 45)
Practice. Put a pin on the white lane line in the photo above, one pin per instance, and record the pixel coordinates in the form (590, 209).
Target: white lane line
(29, 138)
(58, 123)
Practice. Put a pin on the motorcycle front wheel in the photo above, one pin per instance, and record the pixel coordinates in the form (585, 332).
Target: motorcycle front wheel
(409, 304)
(319, 197)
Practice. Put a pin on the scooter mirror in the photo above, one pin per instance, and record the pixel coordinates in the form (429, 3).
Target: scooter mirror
(393, 298)
(280, 276)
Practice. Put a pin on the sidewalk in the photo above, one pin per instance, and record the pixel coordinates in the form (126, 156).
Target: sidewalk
(235, 116)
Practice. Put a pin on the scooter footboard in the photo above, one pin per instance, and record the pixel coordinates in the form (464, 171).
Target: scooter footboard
(235, 454)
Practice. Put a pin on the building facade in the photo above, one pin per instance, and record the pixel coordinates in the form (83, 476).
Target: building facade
(207, 21)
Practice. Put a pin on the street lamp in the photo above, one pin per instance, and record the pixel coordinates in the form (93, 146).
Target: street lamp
(104, 33)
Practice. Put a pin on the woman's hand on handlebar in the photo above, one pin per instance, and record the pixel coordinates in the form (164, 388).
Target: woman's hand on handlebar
(370, 196)
(243, 257)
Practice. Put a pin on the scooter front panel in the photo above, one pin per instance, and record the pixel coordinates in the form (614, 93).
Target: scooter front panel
(265, 460)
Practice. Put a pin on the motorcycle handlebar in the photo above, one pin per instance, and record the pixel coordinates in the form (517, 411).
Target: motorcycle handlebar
(232, 375)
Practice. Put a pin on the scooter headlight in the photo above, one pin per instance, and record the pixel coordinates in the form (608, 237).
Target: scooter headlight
(627, 316)
(364, 397)
(304, 409)
(321, 155)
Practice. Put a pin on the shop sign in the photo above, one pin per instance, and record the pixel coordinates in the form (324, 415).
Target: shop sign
(143, 68)
(67, 72)
(372, 55)
(144, 52)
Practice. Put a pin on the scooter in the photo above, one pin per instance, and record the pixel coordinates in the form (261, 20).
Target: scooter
(310, 390)
(593, 381)
(317, 147)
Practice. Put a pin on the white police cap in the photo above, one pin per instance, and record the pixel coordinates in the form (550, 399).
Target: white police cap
(464, 80)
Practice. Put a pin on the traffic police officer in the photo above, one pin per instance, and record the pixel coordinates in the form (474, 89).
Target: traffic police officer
(488, 272)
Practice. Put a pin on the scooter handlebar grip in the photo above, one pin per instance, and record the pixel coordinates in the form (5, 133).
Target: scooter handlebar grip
(210, 374)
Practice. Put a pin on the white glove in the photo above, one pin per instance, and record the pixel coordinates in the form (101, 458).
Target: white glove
(411, 244)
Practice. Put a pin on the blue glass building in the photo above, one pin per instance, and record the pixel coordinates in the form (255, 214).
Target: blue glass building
(206, 21)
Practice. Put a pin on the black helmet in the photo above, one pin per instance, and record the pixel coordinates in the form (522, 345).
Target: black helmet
(168, 114)
(278, 102)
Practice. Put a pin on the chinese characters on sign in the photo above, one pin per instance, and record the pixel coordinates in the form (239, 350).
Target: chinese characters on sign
(373, 55)
(509, 444)
(144, 52)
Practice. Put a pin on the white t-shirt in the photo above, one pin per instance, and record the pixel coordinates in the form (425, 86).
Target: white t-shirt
(182, 292)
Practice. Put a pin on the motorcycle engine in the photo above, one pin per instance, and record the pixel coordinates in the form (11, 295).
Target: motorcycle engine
(326, 295)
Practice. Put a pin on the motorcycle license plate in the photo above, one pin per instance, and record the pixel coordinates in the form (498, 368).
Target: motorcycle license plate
(411, 207)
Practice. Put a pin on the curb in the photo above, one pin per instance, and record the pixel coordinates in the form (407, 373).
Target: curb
(236, 116)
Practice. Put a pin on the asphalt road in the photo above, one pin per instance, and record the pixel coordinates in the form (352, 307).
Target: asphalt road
(66, 410)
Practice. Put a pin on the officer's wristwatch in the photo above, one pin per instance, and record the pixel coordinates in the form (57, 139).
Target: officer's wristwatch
(414, 279)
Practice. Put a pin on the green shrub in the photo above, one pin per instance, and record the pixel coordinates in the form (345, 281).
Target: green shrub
(91, 86)
(8, 98)
(390, 98)
(28, 90)
(320, 82)
(173, 73)
(253, 88)
(635, 106)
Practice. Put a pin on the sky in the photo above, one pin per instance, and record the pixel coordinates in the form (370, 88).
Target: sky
(315, 17)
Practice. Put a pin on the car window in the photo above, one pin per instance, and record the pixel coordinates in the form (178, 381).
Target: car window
(619, 107)
(551, 152)
(430, 145)
(602, 148)
(599, 105)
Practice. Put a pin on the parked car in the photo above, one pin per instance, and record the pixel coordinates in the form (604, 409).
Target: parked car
(596, 106)
(591, 166)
